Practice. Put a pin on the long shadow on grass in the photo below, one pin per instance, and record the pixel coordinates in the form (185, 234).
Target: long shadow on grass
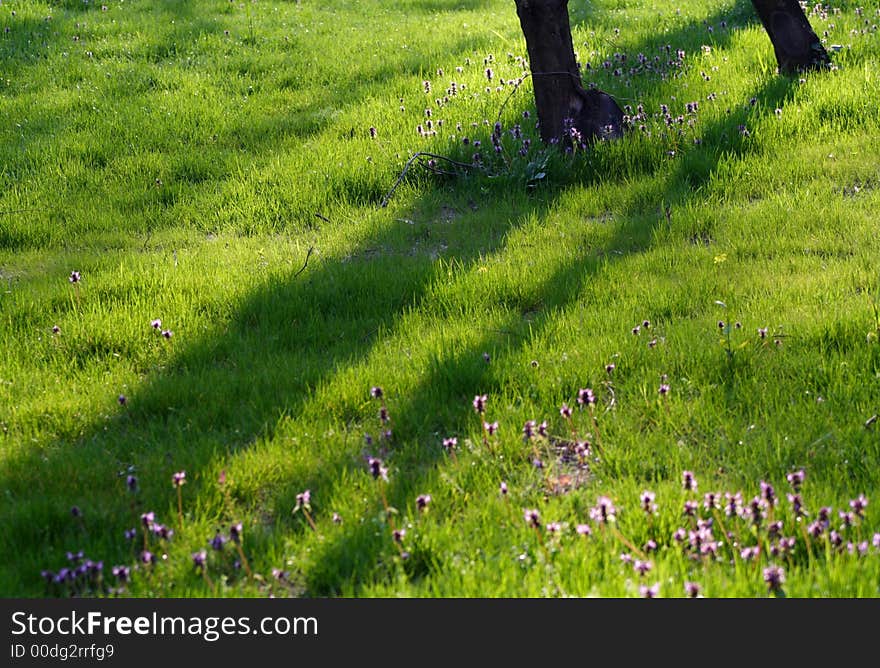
(228, 390)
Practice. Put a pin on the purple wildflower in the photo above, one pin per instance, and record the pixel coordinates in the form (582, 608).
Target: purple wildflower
(218, 541)
(422, 501)
(450, 443)
(156, 324)
(56, 329)
(768, 493)
(179, 479)
(648, 505)
(565, 411)
(586, 396)
(643, 567)
(692, 589)
(167, 333)
(554, 527)
(74, 277)
(121, 573)
(132, 483)
(649, 592)
(529, 429)
(650, 546)
(532, 518)
(130, 534)
(490, 427)
(585, 530)
(480, 403)
(147, 519)
(376, 392)
(796, 479)
(376, 468)
(663, 389)
(397, 535)
(122, 399)
(303, 500)
(604, 511)
(774, 576)
(858, 505)
(503, 488)
(688, 481)
(200, 559)
(235, 531)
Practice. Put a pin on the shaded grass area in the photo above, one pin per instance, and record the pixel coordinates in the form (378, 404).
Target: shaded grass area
(267, 374)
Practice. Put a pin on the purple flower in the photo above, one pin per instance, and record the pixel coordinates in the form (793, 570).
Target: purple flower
(542, 429)
(688, 481)
(122, 399)
(733, 504)
(604, 511)
(131, 482)
(337, 518)
(565, 411)
(56, 329)
(796, 479)
(200, 559)
(235, 532)
(303, 500)
(643, 567)
(480, 403)
(376, 468)
(876, 541)
(74, 277)
(750, 553)
(847, 518)
(554, 527)
(755, 510)
(797, 504)
(774, 576)
(680, 535)
(486, 358)
(816, 529)
(584, 530)
(690, 508)
(663, 389)
(279, 575)
(768, 493)
(147, 557)
(130, 534)
(218, 541)
(397, 535)
(692, 589)
(490, 427)
(376, 392)
(422, 501)
(75, 511)
(711, 501)
(121, 573)
(774, 529)
(532, 518)
(609, 369)
(649, 592)
(503, 488)
(648, 504)
(372, 132)
(650, 546)
(156, 324)
(148, 518)
(450, 443)
(167, 333)
(162, 531)
(762, 332)
(529, 429)
(383, 415)
(586, 396)
(179, 479)
(858, 505)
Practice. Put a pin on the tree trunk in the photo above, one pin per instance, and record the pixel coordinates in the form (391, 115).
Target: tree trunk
(566, 112)
(797, 46)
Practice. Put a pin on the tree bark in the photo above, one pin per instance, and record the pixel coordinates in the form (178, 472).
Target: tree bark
(797, 47)
(560, 98)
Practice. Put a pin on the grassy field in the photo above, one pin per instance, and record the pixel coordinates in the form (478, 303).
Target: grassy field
(220, 167)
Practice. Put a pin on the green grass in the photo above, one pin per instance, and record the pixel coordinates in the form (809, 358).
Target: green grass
(210, 163)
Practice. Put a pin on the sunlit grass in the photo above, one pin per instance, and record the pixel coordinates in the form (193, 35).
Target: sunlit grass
(212, 165)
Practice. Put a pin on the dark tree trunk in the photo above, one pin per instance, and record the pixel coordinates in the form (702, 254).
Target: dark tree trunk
(560, 98)
(797, 46)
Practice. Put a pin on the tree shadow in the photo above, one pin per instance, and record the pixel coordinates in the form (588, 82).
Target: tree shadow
(227, 390)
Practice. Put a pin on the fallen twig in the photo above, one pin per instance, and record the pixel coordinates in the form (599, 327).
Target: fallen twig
(413, 158)
(306, 263)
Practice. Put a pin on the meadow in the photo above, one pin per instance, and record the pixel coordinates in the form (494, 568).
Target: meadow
(235, 363)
